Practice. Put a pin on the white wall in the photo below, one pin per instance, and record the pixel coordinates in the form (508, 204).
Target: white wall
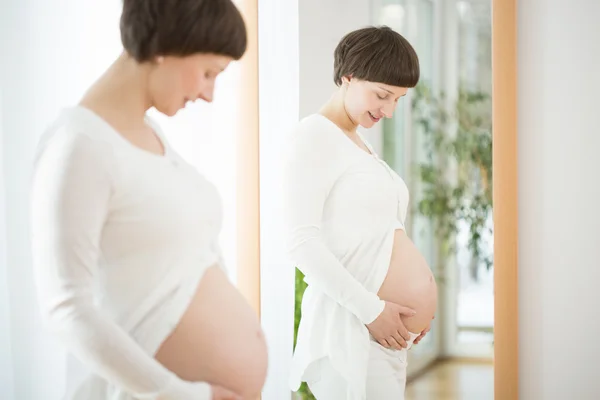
(59, 48)
(322, 25)
(278, 112)
(559, 195)
(6, 369)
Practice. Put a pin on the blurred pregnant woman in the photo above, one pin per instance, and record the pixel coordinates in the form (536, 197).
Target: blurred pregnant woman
(370, 292)
(125, 232)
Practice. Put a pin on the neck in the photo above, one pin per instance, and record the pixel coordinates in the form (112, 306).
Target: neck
(335, 110)
(121, 91)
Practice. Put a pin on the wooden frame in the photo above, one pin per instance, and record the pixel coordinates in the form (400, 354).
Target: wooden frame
(504, 70)
(505, 185)
(248, 186)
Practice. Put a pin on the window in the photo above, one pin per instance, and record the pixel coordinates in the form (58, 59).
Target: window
(403, 142)
(475, 298)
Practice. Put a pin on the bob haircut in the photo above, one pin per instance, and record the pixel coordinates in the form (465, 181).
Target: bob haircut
(152, 28)
(376, 54)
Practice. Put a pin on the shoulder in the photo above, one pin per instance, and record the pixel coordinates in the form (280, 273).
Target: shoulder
(317, 151)
(75, 138)
(316, 127)
(318, 136)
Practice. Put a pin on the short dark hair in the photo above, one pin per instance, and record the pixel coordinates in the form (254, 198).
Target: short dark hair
(376, 54)
(151, 28)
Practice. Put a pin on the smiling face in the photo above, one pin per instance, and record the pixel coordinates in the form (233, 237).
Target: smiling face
(368, 102)
(175, 81)
(374, 66)
(185, 57)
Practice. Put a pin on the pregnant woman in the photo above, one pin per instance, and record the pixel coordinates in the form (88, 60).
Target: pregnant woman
(370, 292)
(125, 232)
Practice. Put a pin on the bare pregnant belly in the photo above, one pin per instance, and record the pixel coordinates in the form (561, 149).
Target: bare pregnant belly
(410, 282)
(218, 340)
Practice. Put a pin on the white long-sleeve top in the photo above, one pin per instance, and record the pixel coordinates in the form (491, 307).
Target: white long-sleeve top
(342, 207)
(121, 238)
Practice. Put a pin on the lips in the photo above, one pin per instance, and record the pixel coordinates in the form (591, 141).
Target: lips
(187, 102)
(374, 118)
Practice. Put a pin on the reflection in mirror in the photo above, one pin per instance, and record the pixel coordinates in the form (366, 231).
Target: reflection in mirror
(439, 143)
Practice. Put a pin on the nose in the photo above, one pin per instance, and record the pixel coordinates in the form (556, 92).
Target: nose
(207, 95)
(388, 110)
(207, 91)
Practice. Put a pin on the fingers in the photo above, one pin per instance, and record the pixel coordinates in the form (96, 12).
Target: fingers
(400, 341)
(394, 345)
(384, 343)
(418, 339)
(403, 332)
(422, 335)
(406, 311)
(219, 393)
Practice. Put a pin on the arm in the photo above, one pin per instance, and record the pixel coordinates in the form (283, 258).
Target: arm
(70, 195)
(311, 170)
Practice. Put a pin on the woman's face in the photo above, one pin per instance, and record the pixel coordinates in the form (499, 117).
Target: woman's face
(174, 81)
(367, 102)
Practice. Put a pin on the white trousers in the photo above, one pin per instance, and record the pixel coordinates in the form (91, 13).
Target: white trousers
(386, 377)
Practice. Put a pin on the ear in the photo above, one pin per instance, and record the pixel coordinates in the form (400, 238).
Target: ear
(346, 79)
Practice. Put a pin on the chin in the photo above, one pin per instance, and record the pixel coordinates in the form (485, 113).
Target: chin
(367, 124)
(169, 112)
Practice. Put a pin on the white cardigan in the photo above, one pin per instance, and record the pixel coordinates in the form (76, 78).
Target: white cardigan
(342, 207)
(121, 238)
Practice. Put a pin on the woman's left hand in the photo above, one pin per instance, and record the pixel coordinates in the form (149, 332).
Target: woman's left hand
(422, 335)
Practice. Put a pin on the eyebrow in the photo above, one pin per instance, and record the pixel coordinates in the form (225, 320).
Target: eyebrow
(389, 91)
(217, 67)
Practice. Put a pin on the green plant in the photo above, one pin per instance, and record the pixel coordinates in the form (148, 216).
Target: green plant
(304, 391)
(464, 196)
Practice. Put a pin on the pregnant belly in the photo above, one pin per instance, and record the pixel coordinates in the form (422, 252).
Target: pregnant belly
(410, 282)
(218, 340)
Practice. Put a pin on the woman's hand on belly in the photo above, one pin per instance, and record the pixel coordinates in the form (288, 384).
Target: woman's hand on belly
(422, 335)
(388, 328)
(219, 393)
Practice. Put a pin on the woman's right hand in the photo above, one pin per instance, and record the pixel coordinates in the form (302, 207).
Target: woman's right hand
(388, 328)
(220, 393)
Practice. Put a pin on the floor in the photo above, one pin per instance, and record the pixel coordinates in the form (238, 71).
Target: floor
(454, 380)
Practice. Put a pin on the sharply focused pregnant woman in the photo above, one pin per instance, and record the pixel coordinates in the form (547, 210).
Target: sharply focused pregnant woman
(370, 292)
(125, 232)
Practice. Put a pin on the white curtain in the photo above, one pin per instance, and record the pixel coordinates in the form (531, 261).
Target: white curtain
(51, 52)
(278, 32)
(6, 370)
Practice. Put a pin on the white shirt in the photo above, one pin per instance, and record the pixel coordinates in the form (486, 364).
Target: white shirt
(121, 238)
(342, 207)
